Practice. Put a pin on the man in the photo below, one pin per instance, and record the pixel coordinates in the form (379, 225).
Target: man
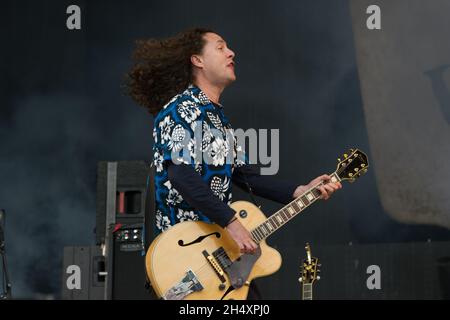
(180, 81)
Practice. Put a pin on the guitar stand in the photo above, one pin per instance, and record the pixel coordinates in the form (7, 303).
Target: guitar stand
(6, 294)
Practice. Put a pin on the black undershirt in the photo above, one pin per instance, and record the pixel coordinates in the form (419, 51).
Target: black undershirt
(198, 194)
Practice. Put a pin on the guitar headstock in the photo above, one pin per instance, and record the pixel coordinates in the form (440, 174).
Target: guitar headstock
(352, 165)
(310, 268)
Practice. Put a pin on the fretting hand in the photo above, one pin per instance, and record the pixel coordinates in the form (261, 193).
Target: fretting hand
(327, 189)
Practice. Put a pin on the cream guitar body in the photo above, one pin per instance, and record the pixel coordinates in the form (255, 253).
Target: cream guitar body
(172, 254)
(200, 261)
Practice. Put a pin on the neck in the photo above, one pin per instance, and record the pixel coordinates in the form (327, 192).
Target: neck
(212, 91)
(285, 214)
(307, 291)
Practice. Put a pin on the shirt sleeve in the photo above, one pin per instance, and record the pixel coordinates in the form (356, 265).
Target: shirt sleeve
(268, 187)
(174, 135)
(197, 193)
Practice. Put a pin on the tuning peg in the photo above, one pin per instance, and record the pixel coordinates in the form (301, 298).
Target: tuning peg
(318, 277)
(300, 279)
(339, 159)
(351, 149)
(345, 155)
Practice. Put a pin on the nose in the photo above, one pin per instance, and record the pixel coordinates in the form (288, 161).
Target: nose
(230, 54)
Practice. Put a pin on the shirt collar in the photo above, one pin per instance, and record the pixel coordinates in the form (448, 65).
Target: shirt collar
(201, 96)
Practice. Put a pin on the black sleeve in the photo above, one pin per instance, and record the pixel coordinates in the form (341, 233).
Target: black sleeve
(268, 187)
(198, 194)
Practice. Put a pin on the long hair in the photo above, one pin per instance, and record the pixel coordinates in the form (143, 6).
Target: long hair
(163, 68)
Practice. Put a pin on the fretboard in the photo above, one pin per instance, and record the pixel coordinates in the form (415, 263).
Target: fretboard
(285, 214)
(307, 291)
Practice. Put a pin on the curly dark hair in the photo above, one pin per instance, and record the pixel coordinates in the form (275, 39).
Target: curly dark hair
(162, 68)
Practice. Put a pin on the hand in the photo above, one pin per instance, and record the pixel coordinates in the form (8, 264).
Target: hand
(242, 237)
(327, 189)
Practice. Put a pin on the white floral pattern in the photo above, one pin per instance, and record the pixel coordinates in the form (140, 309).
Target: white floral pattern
(155, 135)
(158, 161)
(177, 138)
(183, 215)
(220, 187)
(162, 222)
(229, 198)
(165, 127)
(207, 137)
(189, 111)
(215, 119)
(219, 151)
(173, 198)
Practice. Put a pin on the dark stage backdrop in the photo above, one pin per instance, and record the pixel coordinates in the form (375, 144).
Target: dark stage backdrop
(63, 110)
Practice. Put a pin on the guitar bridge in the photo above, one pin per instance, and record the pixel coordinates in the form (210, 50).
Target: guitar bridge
(185, 287)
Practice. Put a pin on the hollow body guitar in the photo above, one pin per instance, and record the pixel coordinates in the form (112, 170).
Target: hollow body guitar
(196, 260)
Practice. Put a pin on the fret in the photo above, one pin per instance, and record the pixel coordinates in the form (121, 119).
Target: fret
(277, 215)
(262, 231)
(310, 196)
(307, 287)
(334, 178)
(304, 200)
(275, 220)
(255, 236)
(272, 223)
(283, 216)
(300, 203)
(307, 291)
(269, 225)
(316, 192)
(291, 210)
(286, 212)
(295, 206)
(259, 233)
(266, 228)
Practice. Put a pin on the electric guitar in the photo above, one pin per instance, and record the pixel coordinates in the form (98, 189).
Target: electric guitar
(310, 271)
(200, 261)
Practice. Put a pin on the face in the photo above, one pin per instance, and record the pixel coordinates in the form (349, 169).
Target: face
(216, 60)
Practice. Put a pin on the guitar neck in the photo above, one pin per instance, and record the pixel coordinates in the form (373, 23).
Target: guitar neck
(307, 291)
(285, 214)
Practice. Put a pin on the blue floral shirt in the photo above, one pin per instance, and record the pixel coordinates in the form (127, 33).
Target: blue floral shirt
(190, 129)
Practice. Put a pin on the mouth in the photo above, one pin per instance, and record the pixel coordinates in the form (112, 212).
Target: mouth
(231, 64)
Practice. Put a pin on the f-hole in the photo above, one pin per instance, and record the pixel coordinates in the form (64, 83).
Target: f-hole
(199, 239)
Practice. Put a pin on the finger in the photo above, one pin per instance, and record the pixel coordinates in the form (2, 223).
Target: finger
(329, 189)
(336, 185)
(324, 193)
(250, 247)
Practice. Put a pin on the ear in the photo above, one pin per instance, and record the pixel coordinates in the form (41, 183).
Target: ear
(197, 61)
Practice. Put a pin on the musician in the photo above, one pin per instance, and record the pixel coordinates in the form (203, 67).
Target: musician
(180, 80)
